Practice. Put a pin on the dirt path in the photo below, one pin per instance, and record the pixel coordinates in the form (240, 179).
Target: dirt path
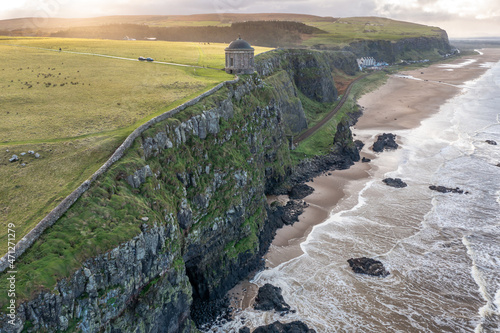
(329, 116)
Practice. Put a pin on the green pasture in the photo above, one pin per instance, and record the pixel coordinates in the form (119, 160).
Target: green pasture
(187, 53)
(75, 110)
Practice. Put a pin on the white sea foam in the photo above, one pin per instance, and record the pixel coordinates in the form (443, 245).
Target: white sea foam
(467, 62)
(407, 77)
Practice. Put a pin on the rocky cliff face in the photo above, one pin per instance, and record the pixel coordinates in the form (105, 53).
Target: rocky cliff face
(135, 287)
(309, 70)
(409, 48)
(189, 201)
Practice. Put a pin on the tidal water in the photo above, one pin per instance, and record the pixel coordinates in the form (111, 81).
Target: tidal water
(442, 250)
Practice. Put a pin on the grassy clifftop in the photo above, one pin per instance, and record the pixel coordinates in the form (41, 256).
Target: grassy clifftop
(75, 109)
(346, 30)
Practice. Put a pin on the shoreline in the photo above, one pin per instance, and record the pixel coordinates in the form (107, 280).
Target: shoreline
(401, 103)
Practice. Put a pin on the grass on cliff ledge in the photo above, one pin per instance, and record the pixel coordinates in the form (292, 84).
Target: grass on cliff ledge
(76, 109)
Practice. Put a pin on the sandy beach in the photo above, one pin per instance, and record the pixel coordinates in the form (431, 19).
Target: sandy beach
(402, 103)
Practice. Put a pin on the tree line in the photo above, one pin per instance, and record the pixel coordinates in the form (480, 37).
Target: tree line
(263, 33)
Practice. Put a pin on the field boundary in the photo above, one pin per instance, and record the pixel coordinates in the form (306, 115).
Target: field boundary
(67, 202)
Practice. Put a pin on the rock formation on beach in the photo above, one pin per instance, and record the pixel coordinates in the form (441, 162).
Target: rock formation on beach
(386, 141)
(269, 298)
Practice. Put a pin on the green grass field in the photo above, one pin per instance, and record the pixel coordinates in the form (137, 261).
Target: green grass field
(197, 54)
(75, 110)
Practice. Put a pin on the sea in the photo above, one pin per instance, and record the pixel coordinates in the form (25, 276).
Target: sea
(442, 249)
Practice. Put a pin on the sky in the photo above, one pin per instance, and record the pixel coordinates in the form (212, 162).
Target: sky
(460, 18)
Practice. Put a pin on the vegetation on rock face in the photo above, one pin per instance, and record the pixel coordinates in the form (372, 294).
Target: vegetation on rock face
(320, 143)
(112, 211)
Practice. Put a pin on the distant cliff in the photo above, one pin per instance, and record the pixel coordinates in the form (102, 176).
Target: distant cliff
(404, 49)
(182, 216)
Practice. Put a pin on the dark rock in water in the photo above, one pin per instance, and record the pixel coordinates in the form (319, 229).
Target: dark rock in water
(491, 142)
(444, 189)
(385, 141)
(367, 266)
(300, 191)
(269, 297)
(244, 330)
(365, 160)
(395, 182)
(277, 327)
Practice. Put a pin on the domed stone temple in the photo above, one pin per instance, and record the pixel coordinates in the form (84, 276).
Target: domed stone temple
(239, 57)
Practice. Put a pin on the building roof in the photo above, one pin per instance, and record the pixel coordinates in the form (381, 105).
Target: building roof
(239, 44)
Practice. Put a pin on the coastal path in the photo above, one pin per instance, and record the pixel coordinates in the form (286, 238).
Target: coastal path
(329, 116)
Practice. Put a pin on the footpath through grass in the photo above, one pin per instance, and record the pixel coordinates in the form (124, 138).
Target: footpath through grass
(75, 110)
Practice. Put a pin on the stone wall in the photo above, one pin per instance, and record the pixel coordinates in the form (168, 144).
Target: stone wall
(61, 208)
(209, 220)
(199, 180)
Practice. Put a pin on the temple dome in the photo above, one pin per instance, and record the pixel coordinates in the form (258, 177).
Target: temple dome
(239, 44)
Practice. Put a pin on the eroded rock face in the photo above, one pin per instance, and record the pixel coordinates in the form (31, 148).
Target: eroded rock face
(269, 298)
(385, 50)
(367, 266)
(386, 141)
(139, 177)
(116, 291)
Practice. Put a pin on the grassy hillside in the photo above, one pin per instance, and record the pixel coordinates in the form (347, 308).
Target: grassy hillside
(75, 109)
(340, 30)
(53, 24)
(346, 30)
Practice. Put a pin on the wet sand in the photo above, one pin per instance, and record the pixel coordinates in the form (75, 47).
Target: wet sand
(402, 103)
